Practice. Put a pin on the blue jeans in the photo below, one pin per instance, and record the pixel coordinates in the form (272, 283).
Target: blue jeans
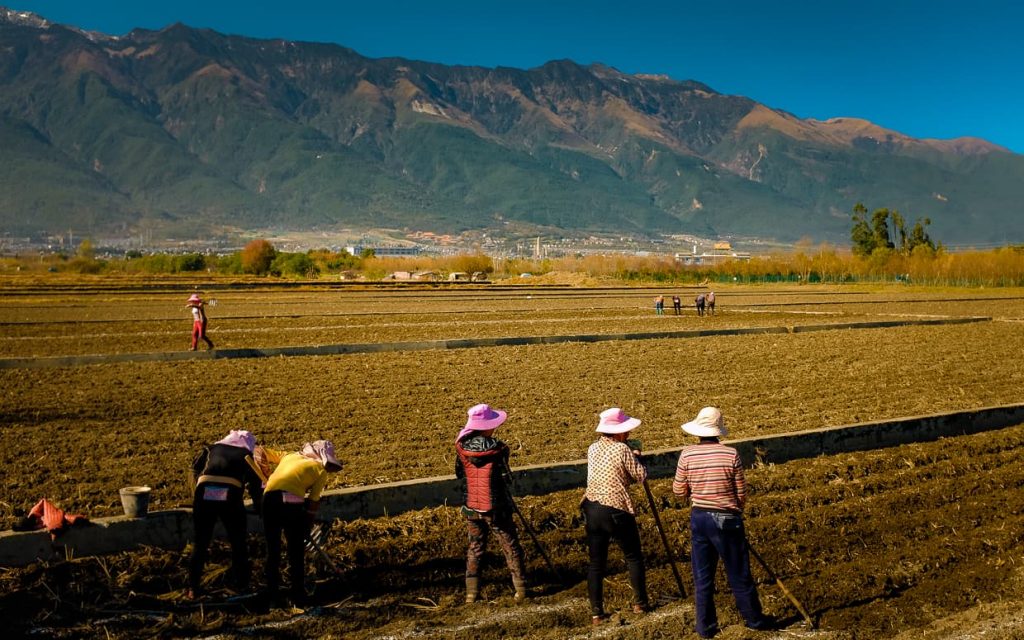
(717, 535)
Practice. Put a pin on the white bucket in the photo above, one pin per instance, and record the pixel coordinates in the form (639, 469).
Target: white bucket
(135, 501)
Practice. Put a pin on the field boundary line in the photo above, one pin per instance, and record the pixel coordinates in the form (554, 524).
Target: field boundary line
(172, 529)
(458, 343)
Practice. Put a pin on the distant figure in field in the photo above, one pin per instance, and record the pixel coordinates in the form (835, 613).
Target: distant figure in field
(711, 302)
(677, 305)
(659, 306)
(198, 307)
(700, 304)
(482, 461)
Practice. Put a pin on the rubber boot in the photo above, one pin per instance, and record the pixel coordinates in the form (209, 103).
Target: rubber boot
(520, 586)
(472, 589)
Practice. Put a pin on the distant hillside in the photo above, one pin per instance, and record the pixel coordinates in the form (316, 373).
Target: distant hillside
(186, 129)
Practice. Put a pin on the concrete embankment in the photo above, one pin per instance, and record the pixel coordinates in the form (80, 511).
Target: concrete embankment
(467, 343)
(173, 529)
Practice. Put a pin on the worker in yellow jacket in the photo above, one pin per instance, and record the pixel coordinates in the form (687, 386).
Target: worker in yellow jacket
(290, 503)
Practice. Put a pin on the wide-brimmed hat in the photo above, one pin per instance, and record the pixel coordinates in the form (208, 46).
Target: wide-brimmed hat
(707, 424)
(194, 299)
(481, 417)
(615, 420)
(322, 450)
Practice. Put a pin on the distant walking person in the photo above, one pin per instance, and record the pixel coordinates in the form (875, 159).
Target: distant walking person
(483, 461)
(711, 302)
(608, 512)
(710, 474)
(677, 305)
(700, 304)
(198, 307)
(659, 306)
(220, 472)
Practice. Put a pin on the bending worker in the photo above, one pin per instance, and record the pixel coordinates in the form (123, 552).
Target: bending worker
(483, 461)
(220, 471)
(711, 475)
(608, 512)
(290, 503)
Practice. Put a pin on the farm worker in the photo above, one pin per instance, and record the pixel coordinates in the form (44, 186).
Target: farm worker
(700, 304)
(710, 474)
(608, 512)
(677, 305)
(659, 305)
(711, 302)
(198, 307)
(290, 503)
(483, 461)
(220, 472)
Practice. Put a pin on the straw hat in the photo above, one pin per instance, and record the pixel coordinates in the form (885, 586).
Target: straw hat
(707, 424)
(615, 420)
(195, 299)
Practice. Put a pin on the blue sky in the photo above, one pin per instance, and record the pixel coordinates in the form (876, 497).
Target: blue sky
(930, 69)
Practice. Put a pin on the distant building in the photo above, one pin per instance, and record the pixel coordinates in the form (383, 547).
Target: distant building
(384, 252)
(721, 252)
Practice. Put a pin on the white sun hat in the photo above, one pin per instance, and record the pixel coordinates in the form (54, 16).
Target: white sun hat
(707, 424)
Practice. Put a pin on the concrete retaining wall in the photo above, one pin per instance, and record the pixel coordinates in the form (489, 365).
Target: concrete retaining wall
(172, 529)
(468, 343)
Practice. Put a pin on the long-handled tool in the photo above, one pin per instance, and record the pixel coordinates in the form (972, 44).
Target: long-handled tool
(771, 574)
(309, 538)
(529, 529)
(536, 542)
(664, 540)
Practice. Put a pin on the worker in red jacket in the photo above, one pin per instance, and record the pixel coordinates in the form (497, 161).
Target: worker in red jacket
(483, 461)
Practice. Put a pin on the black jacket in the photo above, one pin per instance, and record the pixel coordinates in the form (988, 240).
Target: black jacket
(226, 460)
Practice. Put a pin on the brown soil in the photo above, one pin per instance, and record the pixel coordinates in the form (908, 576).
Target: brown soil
(921, 541)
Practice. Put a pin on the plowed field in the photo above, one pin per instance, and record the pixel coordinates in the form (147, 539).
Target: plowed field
(877, 544)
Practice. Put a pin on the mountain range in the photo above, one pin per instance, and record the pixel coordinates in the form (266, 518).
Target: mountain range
(189, 131)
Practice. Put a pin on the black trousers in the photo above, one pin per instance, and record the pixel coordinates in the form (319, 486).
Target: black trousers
(205, 514)
(288, 518)
(603, 525)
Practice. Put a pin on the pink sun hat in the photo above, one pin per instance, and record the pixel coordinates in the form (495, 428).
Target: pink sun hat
(195, 299)
(615, 420)
(481, 418)
(239, 438)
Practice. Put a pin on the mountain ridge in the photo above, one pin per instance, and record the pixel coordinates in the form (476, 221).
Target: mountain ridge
(190, 130)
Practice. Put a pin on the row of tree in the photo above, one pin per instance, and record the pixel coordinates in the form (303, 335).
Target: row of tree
(875, 233)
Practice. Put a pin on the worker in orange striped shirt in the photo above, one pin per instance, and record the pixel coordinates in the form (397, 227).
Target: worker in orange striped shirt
(710, 474)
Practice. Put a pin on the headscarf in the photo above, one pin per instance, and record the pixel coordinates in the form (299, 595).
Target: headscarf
(240, 438)
(323, 452)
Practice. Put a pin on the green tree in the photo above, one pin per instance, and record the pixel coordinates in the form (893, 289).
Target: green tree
(257, 257)
(880, 229)
(861, 235)
(295, 264)
(919, 237)
(190, 262)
